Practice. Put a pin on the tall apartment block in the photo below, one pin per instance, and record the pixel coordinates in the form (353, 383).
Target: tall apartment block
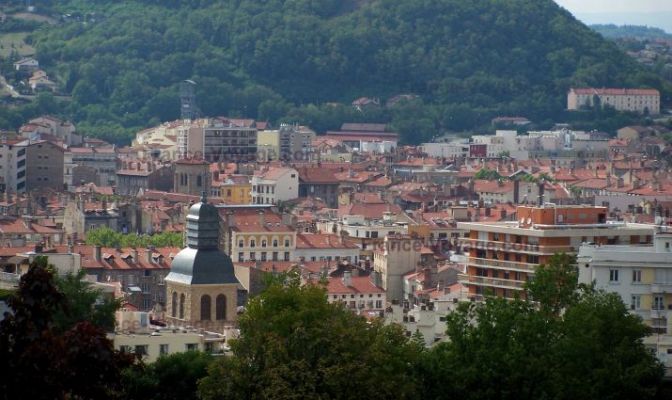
(502, 256)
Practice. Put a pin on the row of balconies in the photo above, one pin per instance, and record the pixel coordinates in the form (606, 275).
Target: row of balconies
(498, 264)
(466, 279)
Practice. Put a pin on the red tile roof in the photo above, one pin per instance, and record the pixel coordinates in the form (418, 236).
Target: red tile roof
(359, 285)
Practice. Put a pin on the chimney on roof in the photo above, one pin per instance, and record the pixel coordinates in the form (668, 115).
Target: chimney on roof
(230, 218)
(134, 255)
(262, 217)
(148, 254)
(347, 278)
(97, 253)
(542, 187)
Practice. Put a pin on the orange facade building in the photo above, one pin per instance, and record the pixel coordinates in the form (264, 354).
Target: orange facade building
(502, 256)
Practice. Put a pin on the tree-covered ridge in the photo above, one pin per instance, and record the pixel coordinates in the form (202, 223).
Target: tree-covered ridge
(468, 61)
(611, 31)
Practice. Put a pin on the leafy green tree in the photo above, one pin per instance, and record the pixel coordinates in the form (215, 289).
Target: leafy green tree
(172, 377)
(107, 237)
(554, 285)
(104, 236)
(565, 342)
(83, 303)
(488, 175)
(294, 344)
(39, 362)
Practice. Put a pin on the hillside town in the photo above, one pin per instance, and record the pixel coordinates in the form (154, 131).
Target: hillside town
(395, 232)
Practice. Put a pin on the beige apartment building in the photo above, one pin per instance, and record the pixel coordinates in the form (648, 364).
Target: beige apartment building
(289, 142)
(643, 101)
(502, 256)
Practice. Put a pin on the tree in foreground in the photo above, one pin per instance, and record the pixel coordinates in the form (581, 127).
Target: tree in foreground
(38, 361)
(571, 343)
(82, 302)
(171, 377)
(293, 344)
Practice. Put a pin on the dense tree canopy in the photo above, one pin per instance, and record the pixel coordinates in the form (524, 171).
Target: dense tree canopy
(38, 360)
(107, 237)
(172, 377)
(467, 60)
(295, 345)
(571, 343)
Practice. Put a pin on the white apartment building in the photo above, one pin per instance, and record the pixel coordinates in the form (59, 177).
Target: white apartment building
(495, 144)
(136, 335)
(642, 277)
(272, 185)
(643, 101)
(455, 149)
(12, 166)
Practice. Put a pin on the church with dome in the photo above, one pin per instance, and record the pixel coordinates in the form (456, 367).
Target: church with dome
(202, 288)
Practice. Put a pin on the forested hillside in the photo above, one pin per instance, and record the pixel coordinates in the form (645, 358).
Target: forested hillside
(292, 59)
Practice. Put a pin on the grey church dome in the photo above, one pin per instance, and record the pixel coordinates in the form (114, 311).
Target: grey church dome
(201, 262)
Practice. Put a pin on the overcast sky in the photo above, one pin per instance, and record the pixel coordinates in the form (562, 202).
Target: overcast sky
(656, 13)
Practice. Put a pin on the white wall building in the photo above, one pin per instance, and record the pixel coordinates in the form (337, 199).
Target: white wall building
(275, 184)
(644, 101)
(456, 149)
(642, 277)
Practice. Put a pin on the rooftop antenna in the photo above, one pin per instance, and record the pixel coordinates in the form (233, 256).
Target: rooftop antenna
(188, 108)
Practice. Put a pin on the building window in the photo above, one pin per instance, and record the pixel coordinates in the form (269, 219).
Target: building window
(286, 242)
(636, 275)
(275, 256)
(141, 349)
(252, 243)
(658, 303)
(275, 242)
(163, 349)
(191, 346)
(182, 306)
(205, 307)
(613, 275)
(199, 181)
(241, 243)
(253, 256)
(241, 257)
(635, 302)
(220, 308)
(174, 305)
(286, 256)
(263, 243)
(263, 256)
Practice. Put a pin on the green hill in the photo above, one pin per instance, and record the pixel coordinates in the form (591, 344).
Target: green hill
(285, 59)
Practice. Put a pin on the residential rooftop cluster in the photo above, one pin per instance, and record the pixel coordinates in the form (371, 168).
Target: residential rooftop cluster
(402, 233)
